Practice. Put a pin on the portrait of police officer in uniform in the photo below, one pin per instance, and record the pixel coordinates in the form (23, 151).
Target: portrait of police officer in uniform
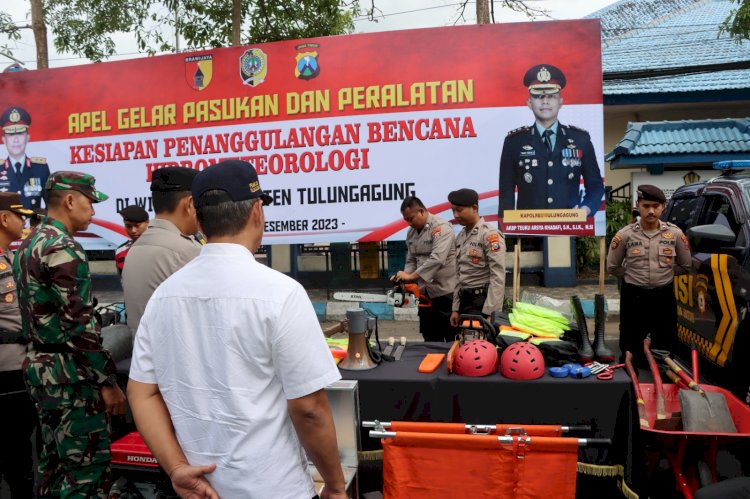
(21, 173)
(545, 161)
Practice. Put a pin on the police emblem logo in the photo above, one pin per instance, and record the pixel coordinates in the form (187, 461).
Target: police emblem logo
(636, 251)
(527, 148)
(494, 241)
(8, 298)
(436, 233)
(307, 66)
(543, 75)
(615, 242)
(254, 186)
(667, 235)
(253, 67)
(199, 71)
(15, 116)
(3, 266)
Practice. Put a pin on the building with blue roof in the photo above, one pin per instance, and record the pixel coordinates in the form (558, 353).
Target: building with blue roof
(676, 92)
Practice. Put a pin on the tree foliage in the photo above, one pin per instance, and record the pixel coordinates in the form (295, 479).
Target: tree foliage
(737, 23)
(86, 27)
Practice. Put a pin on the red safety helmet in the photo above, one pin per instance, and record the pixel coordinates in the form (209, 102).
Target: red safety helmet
(476, 358)
(522, 361)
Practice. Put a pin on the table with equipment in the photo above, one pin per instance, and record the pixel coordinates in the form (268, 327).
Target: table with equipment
(397, 391)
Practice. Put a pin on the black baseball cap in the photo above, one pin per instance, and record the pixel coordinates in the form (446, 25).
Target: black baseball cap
(237, 178)
(172, 179)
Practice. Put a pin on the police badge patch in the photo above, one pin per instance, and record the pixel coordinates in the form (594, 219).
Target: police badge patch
(199, 71)
(253, 67)
(307, 66)
(494, 241)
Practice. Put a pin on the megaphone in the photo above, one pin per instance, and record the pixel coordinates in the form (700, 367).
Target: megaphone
(358, 353)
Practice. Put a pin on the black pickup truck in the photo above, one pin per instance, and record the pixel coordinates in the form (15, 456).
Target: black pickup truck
(713, 300)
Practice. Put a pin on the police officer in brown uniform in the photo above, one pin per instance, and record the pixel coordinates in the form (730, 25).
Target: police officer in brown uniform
(431, 262)
(168, 243)
(18, 415)
(647, 255)
(480, 259)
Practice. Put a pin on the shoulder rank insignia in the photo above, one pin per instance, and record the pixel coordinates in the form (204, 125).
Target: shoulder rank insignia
(38, 159)
(519, 130)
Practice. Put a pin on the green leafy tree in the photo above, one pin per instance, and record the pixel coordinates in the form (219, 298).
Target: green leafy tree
(86, 27)
(737, 23)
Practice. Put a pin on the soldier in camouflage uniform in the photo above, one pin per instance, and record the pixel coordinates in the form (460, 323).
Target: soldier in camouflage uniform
(68, 374)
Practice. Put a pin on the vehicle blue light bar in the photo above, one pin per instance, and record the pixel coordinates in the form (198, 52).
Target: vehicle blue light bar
(735, 163)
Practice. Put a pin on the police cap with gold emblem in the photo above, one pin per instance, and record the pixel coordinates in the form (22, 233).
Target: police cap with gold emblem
(238, 179)
(648, 192)
(464, 197)
(11, 201)
(173, 179)
(544, 79)
(15, 120)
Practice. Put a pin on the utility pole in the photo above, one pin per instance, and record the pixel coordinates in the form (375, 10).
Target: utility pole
(483, 12)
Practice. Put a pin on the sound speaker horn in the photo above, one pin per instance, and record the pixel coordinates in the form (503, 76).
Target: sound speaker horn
(358, 353)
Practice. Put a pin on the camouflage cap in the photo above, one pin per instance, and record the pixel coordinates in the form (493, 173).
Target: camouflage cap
(11, 201)
(75, 181)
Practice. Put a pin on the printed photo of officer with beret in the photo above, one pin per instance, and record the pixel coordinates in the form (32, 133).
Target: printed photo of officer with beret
(545, 161)
(19, 172)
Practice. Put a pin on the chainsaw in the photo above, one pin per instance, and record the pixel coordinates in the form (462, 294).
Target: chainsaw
(401, 296)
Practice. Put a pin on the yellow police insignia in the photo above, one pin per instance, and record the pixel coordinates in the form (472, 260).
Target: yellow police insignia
(667, 235)
(8, 298)
(3, 266)
(543, 75)
(615, 242)
(10, 285)
(254, 186)
(636, 251)
(15, 116)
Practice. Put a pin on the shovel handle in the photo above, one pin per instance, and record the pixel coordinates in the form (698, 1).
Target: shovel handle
(683, 375)
(661, 410)
(694, 357)
(639, 402)
(676, 379)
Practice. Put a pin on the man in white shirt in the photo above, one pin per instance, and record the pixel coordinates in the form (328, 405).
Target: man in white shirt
(230, 364)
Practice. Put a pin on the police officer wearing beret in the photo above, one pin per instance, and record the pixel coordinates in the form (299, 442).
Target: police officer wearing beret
(135, 220)
(648, 254)
(480, 259)
(168, 243)
(545, 161)
(20, 173)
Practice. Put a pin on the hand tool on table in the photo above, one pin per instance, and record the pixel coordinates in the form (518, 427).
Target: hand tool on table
(400, 349)
(388, 350)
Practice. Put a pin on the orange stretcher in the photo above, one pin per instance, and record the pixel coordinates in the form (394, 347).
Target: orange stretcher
(454, 460)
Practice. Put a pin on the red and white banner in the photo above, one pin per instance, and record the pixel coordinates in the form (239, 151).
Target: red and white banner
(340, 129)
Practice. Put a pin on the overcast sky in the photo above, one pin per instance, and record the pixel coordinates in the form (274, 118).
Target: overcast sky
(390, 15)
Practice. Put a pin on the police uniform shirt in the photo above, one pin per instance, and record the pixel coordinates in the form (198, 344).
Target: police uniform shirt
(29, 183)
(11, 354)
(649, 260)
(157, 254)
(480, 260)
(432, 255)
(549, 180)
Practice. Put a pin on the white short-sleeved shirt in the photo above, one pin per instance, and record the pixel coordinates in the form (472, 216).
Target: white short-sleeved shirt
(229, 341)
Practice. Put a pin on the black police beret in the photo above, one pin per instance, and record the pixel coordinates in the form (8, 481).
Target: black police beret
(544, 79)
(15, 120)
(464, 197)
(134, 213)
(237, 178)
(173, 179)
(648, 192)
